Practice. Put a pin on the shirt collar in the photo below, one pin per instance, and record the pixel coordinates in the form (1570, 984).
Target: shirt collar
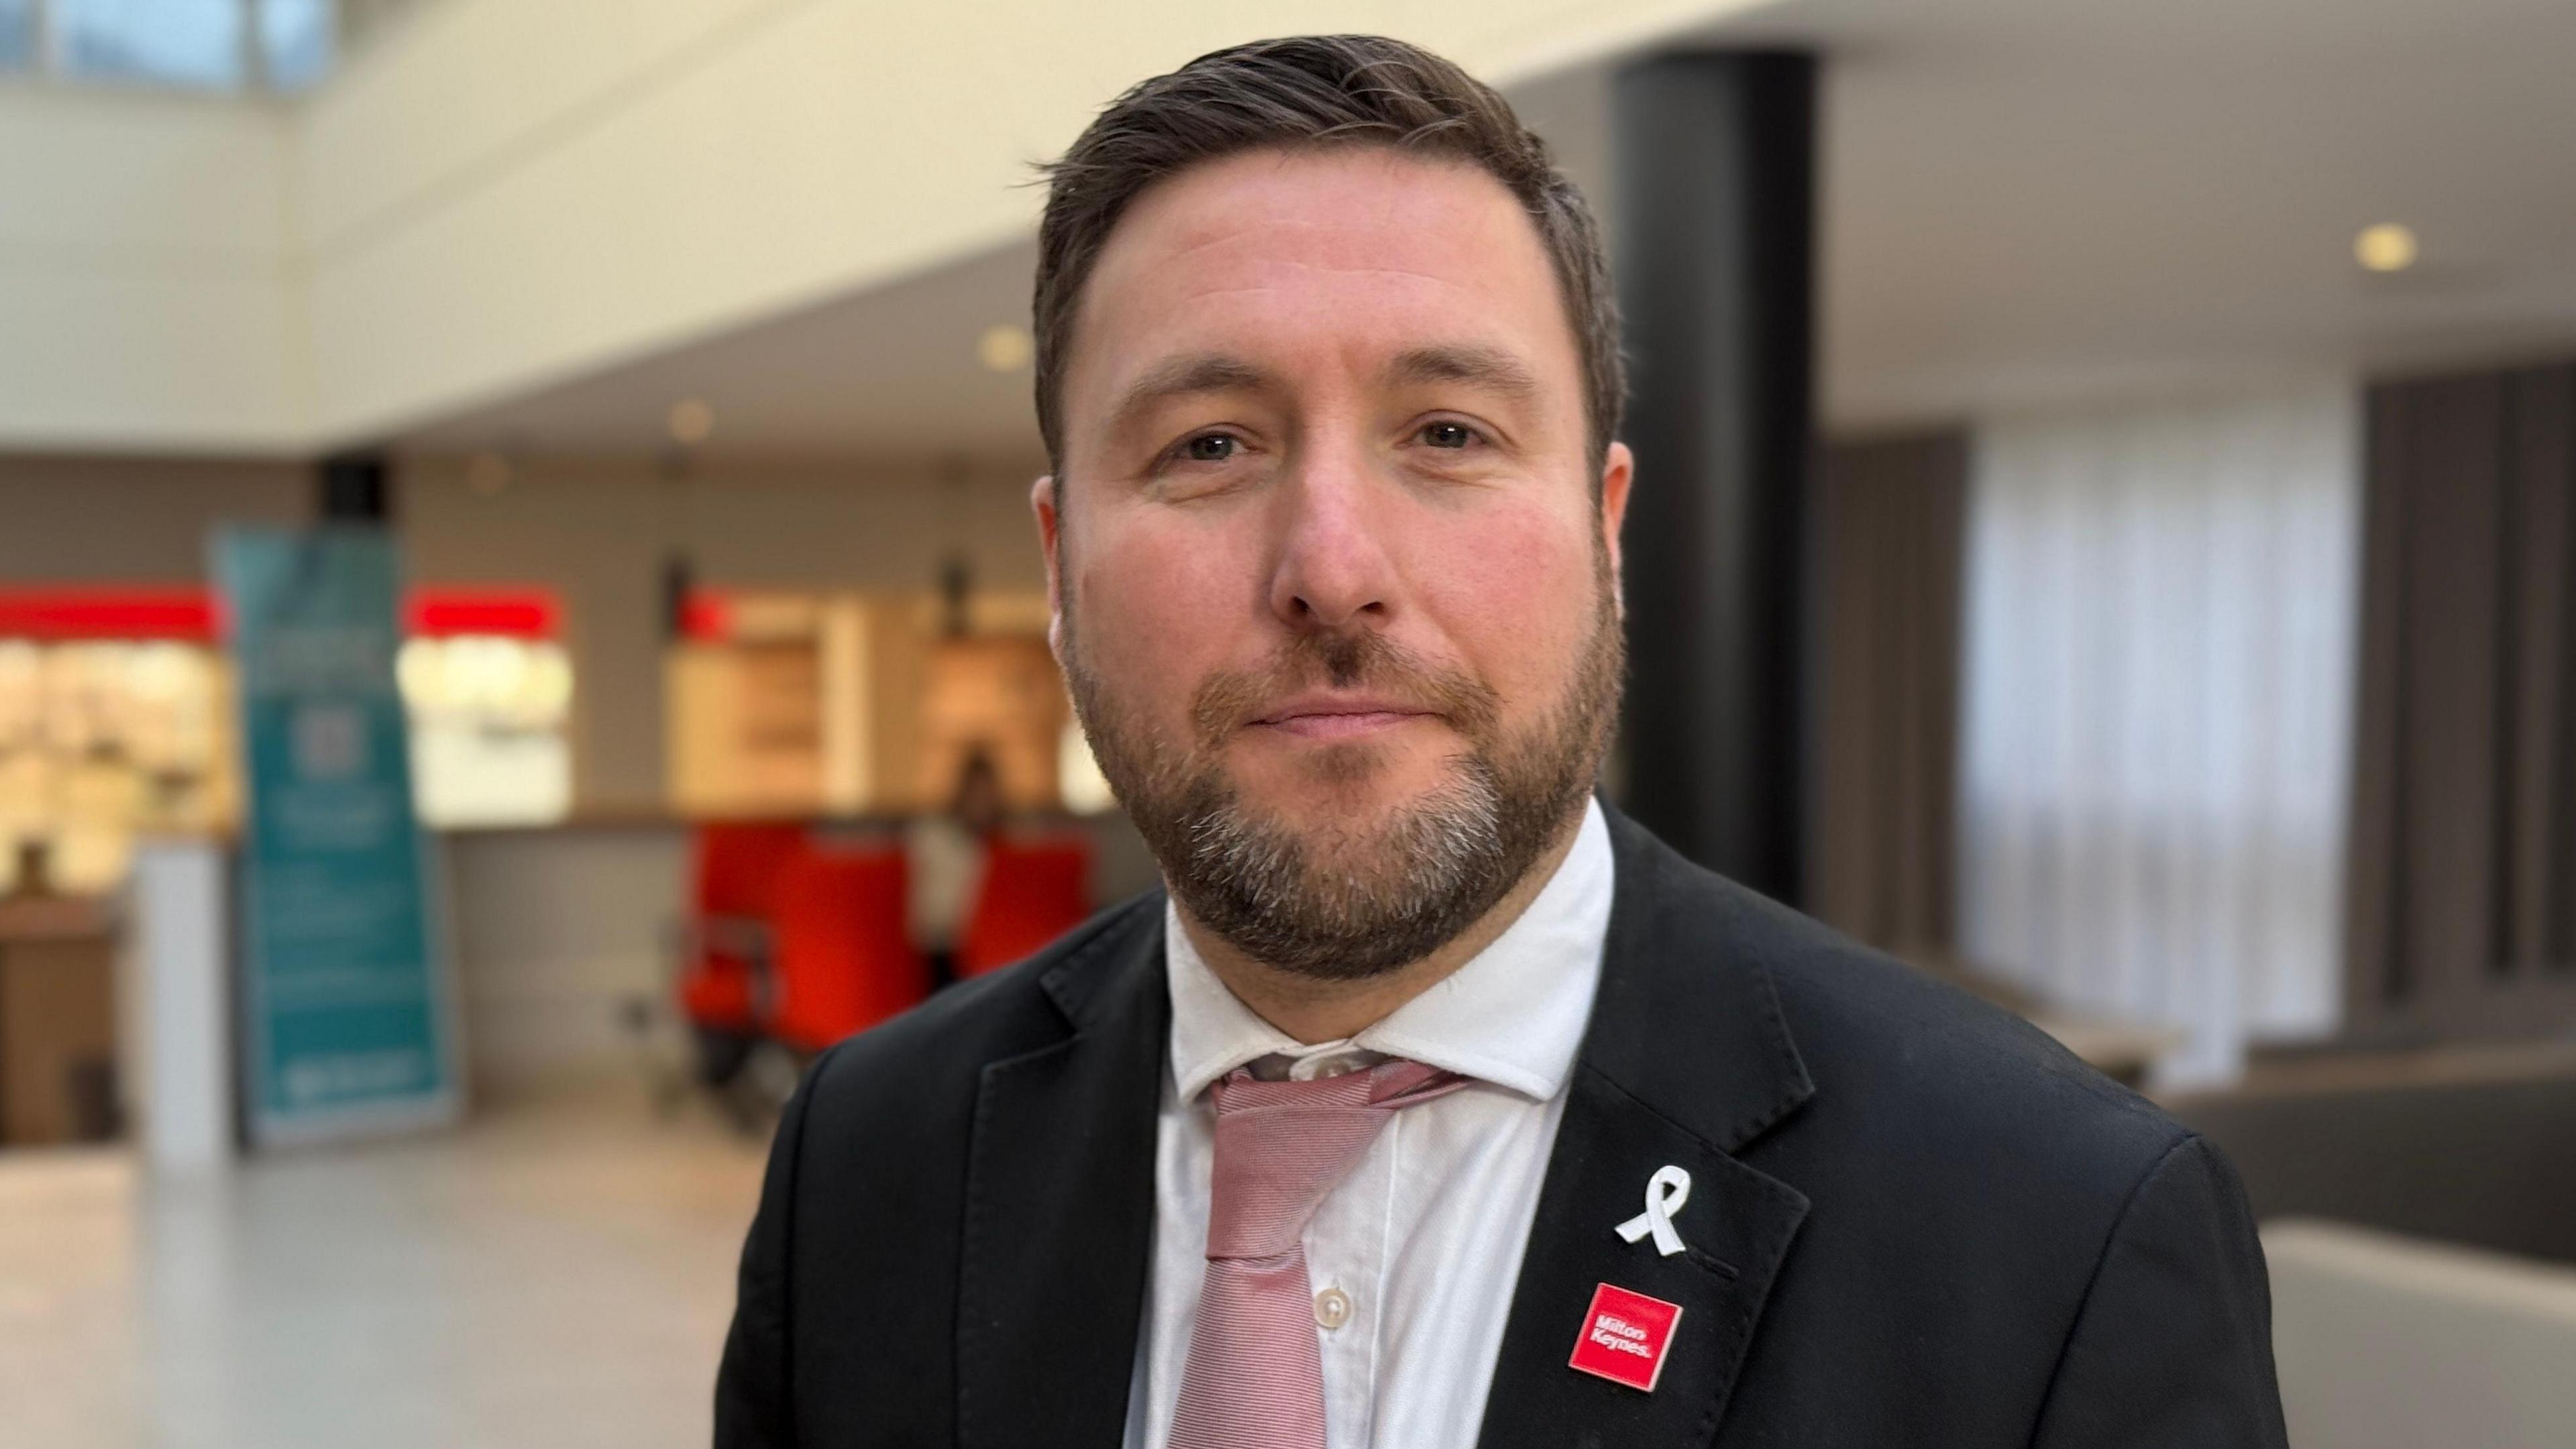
(1513, 1015)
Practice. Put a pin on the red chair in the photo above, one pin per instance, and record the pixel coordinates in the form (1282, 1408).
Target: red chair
(1033, 892)
(842, 960)
(725, 943)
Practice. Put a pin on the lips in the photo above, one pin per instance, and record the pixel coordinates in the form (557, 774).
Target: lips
(1334, 716)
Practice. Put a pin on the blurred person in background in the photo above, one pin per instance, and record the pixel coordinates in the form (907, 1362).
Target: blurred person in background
(1435, 1104)
(948, 850)
(33, 879)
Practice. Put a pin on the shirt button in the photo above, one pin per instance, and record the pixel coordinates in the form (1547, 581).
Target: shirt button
(1332, 1308)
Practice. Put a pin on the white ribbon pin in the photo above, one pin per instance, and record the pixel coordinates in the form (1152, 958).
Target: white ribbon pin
(1666, 1191)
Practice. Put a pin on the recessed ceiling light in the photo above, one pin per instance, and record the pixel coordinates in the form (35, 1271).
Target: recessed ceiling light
(692, 421)
(2386, 247)
(1004, 347)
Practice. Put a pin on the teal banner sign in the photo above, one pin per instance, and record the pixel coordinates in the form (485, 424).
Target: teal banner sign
(348, 1024)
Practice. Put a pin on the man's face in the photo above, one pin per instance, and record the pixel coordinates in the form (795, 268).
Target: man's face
(1330, 582)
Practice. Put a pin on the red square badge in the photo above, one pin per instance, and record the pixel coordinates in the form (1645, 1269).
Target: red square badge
(1625, 1337)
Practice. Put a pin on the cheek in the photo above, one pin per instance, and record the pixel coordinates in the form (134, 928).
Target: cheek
(1513, 590)
(1156, 609)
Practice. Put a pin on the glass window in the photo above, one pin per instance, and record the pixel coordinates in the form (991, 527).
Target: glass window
(296, 42)
(17, 34)
(178, 42)
(102, 739)
(490, 722)
(2158, 675)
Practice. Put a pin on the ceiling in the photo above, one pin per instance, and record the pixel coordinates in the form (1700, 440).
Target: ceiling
(2025, 203)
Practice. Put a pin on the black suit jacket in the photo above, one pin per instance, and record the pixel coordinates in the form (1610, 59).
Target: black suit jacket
(1913, 1220)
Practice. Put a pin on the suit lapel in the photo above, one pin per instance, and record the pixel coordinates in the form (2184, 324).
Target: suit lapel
(1685, 1061)
(1060, 1206)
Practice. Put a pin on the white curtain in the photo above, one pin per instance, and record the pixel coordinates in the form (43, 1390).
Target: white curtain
(2161, 606)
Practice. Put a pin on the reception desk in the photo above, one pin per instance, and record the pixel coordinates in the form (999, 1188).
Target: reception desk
(57, 1021)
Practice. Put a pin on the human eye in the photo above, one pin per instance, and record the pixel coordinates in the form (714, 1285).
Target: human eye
(1207, 448)
(1200, 451)
(1449, 435)
(1204, 463)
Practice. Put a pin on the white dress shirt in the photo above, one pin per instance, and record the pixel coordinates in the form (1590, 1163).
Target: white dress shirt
(1413, 1258)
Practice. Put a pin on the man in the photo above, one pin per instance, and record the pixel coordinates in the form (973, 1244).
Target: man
(1436, 1106)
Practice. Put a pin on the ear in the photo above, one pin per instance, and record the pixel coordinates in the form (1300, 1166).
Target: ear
(1618, 470)
(1050, 540)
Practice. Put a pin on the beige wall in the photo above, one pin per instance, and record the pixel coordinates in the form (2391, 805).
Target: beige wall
(111, 520)
(559, 936)
(146, 292)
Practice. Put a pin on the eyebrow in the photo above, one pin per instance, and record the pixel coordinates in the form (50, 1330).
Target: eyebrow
(1190, 375)
(1489, 368)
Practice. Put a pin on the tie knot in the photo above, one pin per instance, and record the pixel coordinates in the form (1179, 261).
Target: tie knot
(1389, 1084)
(1281, 1147)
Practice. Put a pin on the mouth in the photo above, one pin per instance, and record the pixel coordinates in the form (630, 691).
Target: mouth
(1339, 717)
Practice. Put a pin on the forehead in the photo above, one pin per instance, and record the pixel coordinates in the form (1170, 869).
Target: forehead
(1333, 253)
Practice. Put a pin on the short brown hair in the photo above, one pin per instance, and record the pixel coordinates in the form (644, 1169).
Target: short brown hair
(1304, 91)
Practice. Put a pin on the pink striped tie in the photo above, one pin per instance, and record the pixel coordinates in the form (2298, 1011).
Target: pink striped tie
(1255, 1377)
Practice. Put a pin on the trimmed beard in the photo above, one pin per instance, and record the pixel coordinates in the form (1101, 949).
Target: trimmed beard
(1346, 902)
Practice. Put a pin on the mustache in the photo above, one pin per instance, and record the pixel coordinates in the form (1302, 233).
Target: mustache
(1348, 659)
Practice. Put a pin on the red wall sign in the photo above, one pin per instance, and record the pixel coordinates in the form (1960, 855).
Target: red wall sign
(61, 615)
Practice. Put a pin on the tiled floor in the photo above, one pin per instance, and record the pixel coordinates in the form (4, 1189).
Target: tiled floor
(557, 1273)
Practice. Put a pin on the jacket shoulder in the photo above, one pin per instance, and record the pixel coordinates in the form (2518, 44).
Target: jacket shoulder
(1899, 1055)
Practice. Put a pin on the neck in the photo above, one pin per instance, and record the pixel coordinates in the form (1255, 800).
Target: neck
(1316, 1009)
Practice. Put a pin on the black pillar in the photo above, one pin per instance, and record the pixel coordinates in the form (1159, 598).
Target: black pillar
(354, 489)
(1716, 274)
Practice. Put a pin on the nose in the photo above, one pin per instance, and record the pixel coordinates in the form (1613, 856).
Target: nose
(1333, 569)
